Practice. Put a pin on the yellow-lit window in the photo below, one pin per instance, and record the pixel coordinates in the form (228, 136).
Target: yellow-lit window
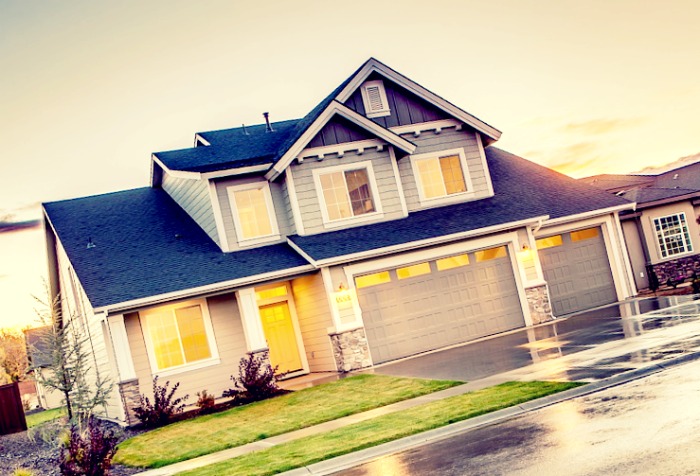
(452, 262)
(178, 336)
(253, 213)
(549, 242)
(269, 293)
(372, 279)
(441, 176)
(586, 234)
(414, 270)
(347, 193)
(491, 253)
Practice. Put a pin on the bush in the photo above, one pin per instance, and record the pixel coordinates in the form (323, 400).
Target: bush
(22, 472)
(88, 452)
(256, 379)
(163, 408)
(205, 402)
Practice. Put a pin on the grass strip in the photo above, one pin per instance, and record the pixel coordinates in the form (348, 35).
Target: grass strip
(38, 418)
(235, 427)
(313, 449)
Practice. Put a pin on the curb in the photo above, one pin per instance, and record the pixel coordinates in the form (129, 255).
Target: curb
(364, 456)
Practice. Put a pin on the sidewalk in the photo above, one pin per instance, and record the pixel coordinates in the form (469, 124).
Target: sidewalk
(608, 364)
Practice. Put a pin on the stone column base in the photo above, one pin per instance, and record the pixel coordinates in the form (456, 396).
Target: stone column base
(130, 394)
(539, 304)
(351, 350)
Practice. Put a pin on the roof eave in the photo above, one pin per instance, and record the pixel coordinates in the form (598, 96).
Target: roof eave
(589, 214)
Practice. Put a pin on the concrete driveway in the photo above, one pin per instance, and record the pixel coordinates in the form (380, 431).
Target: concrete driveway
(586, 346)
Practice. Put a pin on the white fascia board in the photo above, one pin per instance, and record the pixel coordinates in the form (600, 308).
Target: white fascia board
(428, 242)
(126, 306)
(374, 65)
(316, 126)
(239, 171)
(584, 215)
(201, 139)
(176, 173)
(303, 253)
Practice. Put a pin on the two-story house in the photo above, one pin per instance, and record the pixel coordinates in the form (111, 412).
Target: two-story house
(381, 225)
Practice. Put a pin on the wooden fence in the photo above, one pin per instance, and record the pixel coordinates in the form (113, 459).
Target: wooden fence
(12, 417)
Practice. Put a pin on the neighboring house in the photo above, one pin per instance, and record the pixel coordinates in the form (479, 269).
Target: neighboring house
(39, 360)
(382, 224)
(662, 233)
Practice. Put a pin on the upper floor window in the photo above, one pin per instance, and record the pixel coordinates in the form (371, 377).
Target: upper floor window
(253, 212)
(440, 175)
(178, 335)
(672, 235)
(347, 192)
(374, 99)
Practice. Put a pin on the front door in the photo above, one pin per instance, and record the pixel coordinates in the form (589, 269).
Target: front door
(281, 338)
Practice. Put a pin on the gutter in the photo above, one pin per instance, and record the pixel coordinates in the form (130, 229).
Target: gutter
(590, 214)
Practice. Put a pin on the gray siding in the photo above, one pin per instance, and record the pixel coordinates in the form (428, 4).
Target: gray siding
(448, 139)
(286, 205)
(193, 197)
(314, 316)
(284, 221)
(406, 107)
(337, 131)
(310, 202)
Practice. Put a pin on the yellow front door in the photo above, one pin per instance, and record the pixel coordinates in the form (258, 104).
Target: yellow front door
(281, 338)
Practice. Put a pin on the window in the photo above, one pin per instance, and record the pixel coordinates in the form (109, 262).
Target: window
(672, 235)
(372, 279)
(452, 262)
(586, 234)
(347, 191)
(253, 212)
(550, 242)
(440, 176)
(491, 253)
(374, 99)
(413, 271)
(177, 335)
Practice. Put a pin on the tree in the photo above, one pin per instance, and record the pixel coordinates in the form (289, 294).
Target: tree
(14, 347)
(4, 376)
(65, 362)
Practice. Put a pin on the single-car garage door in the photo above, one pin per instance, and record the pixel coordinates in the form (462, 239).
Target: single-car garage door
(577, 270)
(438, 303)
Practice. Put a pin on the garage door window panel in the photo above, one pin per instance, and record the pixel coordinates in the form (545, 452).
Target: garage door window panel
(672, 235)
(587, 234)
(413, 271)
(491, 253)
(372, 279)
(549, 242)
(445, 264)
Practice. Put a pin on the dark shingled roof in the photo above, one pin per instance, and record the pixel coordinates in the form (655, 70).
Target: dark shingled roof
(523, 190)
(652, 194)
(146, 245)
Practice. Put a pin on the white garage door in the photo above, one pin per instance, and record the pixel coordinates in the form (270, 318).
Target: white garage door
(437, 303)
(576, 267)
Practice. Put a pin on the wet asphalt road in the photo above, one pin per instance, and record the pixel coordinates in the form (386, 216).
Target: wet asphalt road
(647, 427)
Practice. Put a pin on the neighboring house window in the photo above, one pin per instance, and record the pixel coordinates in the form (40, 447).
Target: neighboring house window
(347, 192)
(672, 235)
(178, 335)
(441, 175)
(374, 99)
(253, 212)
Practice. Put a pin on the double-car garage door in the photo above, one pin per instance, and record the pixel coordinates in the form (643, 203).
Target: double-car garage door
(436, 303)
(577, 270)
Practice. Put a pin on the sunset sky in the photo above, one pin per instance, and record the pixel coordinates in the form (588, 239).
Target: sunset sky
(89, 89)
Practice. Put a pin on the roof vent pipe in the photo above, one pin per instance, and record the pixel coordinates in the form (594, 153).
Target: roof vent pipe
(267, 121)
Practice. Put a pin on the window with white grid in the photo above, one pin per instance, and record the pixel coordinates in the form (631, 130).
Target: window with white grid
(672, 235)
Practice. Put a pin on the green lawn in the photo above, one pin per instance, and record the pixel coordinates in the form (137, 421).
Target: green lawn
(379, 430)
(42, 417)
(237, 426)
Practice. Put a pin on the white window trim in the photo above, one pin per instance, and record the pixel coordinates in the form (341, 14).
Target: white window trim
(455, 197)
(272, 215)
(327, 222)
(688, 244)
(385, 111)
(186, 367)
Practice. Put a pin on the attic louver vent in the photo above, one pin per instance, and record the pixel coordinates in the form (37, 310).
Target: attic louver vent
(374, 98)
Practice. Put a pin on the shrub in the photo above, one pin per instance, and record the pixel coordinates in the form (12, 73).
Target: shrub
(22, 472)
(256, 378)
(163, 408)
(88, 452)
(205, 402)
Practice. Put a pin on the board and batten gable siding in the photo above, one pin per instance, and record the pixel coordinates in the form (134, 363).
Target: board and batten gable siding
(406, 108)
(79, 314)
(314, 316)
(193, 197)
(447, 139)
(283, 217)
(230, 342)
(310, 202)
(337, 131)
(286, 205)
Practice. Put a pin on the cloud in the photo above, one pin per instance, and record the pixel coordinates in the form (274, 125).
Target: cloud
(8, 226)
(600, 126)
(577, 160)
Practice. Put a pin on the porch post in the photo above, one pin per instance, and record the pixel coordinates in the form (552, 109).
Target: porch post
(250, 318)
(128, 384)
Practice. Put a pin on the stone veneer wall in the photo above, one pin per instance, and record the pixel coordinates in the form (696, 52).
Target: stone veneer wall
(351, 350)
(539, 304)
(677, 268)
(131, 397)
